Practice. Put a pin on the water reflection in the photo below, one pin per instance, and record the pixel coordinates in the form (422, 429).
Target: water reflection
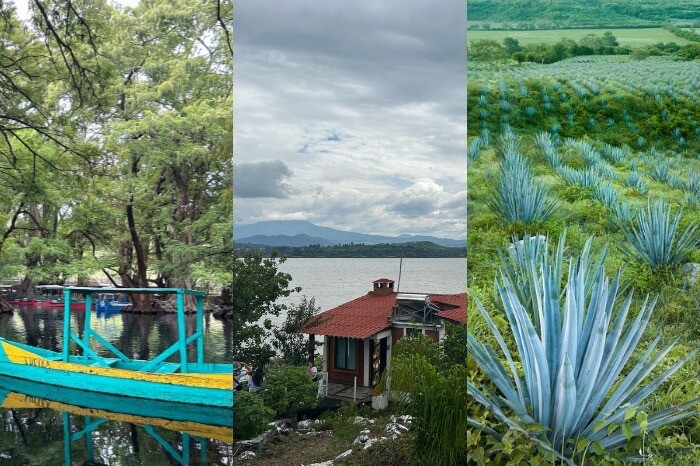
(43, 424)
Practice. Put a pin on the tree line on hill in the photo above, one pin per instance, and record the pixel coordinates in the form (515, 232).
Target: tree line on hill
(557, 14)
(417, 249)
(488, 50)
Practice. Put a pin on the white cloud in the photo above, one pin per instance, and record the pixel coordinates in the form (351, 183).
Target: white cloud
(364, 102)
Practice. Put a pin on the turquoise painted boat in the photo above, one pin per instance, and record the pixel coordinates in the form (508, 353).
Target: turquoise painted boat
(196, 424)
(18, 393)
(184, 381)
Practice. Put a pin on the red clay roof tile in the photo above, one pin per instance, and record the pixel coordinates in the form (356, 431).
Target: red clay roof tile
(369, 314)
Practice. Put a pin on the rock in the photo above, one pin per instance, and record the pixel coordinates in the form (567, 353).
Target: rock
(380, 402)
(370, 442)
(691, 271)
(344, 454)
(282, 426)
(519, 245)
(361, 439)
(395, 429)
(304, 425)
(325, 463)
(406, 419)
(365, 432)
(371, 421)
(360, 420)
(246, 455)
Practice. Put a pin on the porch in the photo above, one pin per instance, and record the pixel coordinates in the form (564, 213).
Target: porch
(344, 391)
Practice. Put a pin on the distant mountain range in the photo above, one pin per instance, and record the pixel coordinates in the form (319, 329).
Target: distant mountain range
(303, 233)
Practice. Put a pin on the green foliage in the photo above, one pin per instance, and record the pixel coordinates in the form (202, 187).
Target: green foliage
(438, 406)
(250, 416)
(454, 345)
(486, 50)
(257, 285)
(421, 345)
(293, 346)
(288, 389)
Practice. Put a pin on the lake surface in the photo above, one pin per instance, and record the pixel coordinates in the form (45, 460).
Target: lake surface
(57, 430)
(335, 281)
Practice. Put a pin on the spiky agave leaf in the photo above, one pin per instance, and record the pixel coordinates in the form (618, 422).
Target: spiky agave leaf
(575, 362)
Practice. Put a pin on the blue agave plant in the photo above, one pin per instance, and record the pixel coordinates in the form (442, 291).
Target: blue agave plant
(656, 239)
(474, 148)
(517, 197)
(571, 360)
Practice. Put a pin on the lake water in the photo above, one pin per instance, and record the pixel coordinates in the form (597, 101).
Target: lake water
(335, 281)
(39, 431)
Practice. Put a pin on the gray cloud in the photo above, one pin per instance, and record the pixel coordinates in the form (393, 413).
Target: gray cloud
(261, 179)
(364, 101)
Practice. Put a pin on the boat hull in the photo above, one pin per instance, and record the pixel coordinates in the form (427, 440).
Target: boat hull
(216, 422)
(206, 389)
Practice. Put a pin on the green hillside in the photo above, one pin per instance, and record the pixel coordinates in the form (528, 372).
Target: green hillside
(577, 13)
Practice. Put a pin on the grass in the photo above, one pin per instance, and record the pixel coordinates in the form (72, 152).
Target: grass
(629, 37)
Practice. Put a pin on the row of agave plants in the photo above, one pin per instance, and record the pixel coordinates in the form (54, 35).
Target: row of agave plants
(567, 385)
(518, 80)
(653, 233)
(602, 168)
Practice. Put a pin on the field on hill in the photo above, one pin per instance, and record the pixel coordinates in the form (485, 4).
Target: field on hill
(594, 147)
(627, 37)
(582, 13)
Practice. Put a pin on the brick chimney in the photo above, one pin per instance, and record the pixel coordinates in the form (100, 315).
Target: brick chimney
(383, 286)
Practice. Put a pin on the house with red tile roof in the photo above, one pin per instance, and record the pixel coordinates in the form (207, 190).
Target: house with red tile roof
(358, 335)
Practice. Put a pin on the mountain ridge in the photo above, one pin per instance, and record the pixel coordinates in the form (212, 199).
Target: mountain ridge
(284, 232)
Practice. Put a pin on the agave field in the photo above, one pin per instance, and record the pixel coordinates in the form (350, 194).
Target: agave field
(584, 262)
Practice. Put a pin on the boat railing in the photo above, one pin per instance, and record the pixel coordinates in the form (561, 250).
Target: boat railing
(180, 346)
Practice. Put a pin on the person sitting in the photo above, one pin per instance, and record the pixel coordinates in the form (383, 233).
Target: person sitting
(240, 370)
(312, 370)
(255, 383)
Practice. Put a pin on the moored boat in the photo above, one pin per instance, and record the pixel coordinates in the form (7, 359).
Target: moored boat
(112, 302)
(192, 382)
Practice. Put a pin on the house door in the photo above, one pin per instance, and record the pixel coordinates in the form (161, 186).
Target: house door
(378, 352)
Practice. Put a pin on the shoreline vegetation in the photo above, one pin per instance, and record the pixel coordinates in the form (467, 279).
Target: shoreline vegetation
(417, 249)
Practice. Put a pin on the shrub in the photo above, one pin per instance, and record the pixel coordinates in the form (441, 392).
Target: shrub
(421, 345)
(288, 389)
(250, 416)
(438, 405)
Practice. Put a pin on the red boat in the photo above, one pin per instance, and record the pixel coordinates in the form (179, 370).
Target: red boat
(44, 296)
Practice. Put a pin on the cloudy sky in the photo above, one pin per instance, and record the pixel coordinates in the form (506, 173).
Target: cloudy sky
(351, 114)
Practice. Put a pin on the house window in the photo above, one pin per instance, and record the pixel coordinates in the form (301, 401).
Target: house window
(345, 352)
(413, 331)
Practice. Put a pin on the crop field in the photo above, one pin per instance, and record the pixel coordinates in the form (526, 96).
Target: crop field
(583, 220)
(628, 37)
